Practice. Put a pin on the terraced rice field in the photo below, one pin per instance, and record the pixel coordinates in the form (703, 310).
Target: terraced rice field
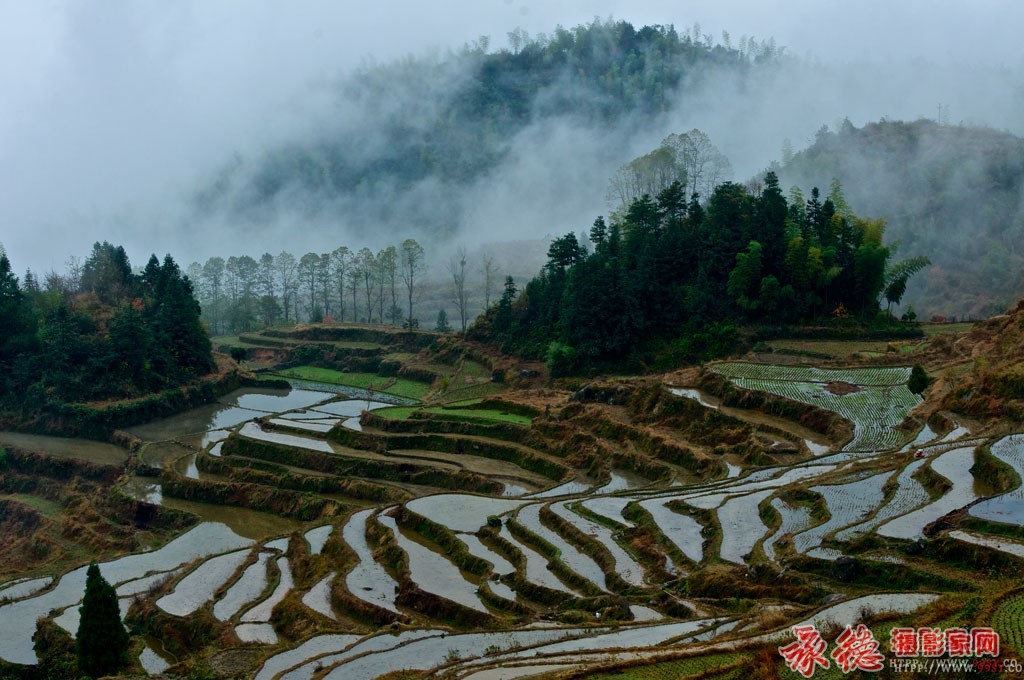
(1009, 507)
(908, 496)
(794, 520)
(881, 401)
(848, 503)
(955, 466)
(480, 585)
(741, 526)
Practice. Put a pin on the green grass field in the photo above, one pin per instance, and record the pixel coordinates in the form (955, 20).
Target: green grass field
(43, 506)
(367, 381)
(489, 415)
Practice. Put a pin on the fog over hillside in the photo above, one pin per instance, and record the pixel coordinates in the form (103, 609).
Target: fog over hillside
(120, 119)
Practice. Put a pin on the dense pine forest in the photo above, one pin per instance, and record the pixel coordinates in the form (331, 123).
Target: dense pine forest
(98, 332)
(670, 270)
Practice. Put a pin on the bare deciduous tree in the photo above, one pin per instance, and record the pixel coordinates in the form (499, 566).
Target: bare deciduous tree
(457, 269)
(490, 273)
(412, 262)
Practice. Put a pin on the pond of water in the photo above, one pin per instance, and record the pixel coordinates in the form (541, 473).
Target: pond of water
(569, 488)
(141, 585)
(622, 481)
(321, 644)
(690, 393)
(368, 580)
(151, 662)
(1001, 544)
(194, 422)
(536, 565)
(847, 503)
(198, 586)
(253, 431)
(625, 566)
(366, 646)
(955, 466)
(350, 408)
(434, 573)
(435, 650)
(262, 633)
(317, 537)
(584, 565)
(16, 590)
(17, 619)
(249, 586)
(682, 530)
(1009, 507)
(794, 519)
(308, 425)
(461, 512)
(243, 521)
(499, 564)
(319, 596)
(261, 612)
(741, 524)
(273, 400)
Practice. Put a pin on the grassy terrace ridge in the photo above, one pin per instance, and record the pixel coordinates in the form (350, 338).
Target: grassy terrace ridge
(489, 415)
(402, 387)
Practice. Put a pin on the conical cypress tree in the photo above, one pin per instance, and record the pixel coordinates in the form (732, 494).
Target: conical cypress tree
(102, 642)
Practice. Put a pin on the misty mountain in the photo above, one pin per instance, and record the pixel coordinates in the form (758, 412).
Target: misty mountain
(408, 139)
(952, 193)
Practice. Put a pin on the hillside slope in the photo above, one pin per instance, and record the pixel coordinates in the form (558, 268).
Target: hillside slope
(953, 193)
(414, 142)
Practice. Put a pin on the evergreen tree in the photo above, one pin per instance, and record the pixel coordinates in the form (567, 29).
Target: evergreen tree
(442, 325)
(102, 642)
(919, 380)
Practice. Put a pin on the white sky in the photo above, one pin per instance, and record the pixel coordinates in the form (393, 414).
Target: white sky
(108, 108)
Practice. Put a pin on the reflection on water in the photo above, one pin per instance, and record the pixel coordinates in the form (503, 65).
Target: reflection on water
(273, 400)
(18, 620)
(256, 632)
(151, 662)
(317, 537)
(569, 488)
(368, 580)
(622, 480)
(243, 521)
(321, 644)
(319, 596)
(199, 586)
(249, 586)
(513, 490)
(15, 590)
(195, 421)
(261, 612)
(144, 489)
(232, 409)
(582, 564)
(432, 572)
(461, 512)
(213, 436)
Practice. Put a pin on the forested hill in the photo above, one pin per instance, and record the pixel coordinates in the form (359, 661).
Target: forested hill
(405, 140)
(98, 332)
(669, 280)
(952, 193)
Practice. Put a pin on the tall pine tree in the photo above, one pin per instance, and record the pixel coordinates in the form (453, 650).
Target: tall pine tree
(102, 641)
